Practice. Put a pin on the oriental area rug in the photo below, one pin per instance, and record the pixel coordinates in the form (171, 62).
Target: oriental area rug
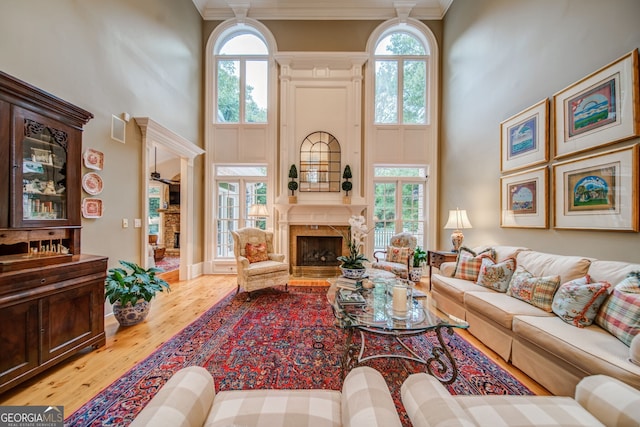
(279, 340)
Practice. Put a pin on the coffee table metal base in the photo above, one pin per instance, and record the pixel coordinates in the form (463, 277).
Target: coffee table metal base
(441, 364)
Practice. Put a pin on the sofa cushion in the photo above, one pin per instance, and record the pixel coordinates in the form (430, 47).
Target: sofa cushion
(577, 301)
(538, 291)
(453, 288)
(366, 400)
(469, 262)
(499, 307)
(620, 313)
(525, 411)
(543, 264)
(270, 408)
(611, 271)
(496, 276)
(256, 253)
(593, 350)
(395, 254)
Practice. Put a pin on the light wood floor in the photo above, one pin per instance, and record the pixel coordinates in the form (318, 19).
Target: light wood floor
(77, 380)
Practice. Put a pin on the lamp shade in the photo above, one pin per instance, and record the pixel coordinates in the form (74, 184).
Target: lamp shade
(458, 219)
(258, 211)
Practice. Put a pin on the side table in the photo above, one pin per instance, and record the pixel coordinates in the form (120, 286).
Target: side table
(435, 258)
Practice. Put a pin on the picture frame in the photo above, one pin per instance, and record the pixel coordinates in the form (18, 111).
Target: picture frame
(598, 110)
(524, 138)
(523, 199)
(44, 157)
(611, 202)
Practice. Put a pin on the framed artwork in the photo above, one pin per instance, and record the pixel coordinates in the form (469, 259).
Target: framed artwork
(598, 110)
(523, 199)
(598, 192)
(524, 138)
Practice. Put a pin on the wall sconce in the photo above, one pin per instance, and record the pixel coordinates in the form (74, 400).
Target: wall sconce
(457, 221)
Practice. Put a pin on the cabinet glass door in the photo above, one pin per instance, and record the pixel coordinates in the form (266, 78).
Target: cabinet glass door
(42, 178)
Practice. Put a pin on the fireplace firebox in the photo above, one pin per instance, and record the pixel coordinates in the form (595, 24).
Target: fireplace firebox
(314, 250)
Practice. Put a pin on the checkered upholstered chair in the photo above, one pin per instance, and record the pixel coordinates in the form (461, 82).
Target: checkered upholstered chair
(397, 256)
(257, 264)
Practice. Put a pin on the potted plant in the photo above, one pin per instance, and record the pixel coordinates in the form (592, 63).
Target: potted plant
(346, 184)
(419, 257)
(353, 264)
(130, 289)
(293, 185)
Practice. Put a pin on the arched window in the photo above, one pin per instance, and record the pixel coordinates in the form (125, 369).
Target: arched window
(242, 72)
(401, 58)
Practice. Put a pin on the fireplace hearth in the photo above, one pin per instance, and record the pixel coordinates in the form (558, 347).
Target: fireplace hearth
(314, 250)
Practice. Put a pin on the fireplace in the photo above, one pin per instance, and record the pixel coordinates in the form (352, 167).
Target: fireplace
(314, 249)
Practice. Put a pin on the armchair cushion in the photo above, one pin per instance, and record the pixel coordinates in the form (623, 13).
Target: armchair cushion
(395, 254)
(256, 253)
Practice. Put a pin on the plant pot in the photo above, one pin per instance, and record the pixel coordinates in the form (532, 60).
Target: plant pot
(415, 274)
(353, 273)
(130, 315)
(346, 200)
(293, 199)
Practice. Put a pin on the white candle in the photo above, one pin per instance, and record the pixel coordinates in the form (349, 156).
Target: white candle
(399, 299)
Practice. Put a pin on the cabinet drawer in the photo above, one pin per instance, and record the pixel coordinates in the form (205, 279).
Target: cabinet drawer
(59, 233)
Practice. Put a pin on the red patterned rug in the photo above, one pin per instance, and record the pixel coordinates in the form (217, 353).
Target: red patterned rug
(278, 340)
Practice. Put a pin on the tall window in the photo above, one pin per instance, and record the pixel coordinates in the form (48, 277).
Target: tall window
(238, 188)
(401, 79)
(399, 203)
(241, 79)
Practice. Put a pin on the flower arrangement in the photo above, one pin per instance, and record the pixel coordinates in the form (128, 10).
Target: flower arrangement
(355, 241)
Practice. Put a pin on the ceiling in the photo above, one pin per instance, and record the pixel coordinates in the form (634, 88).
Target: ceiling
(215, 10)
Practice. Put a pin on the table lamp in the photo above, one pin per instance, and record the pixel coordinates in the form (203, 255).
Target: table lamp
(457, 221)
(258, 211)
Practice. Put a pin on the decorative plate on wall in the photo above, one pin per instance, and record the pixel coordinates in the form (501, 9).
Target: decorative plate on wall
(93, 159)
(92, 208)
(92, 183)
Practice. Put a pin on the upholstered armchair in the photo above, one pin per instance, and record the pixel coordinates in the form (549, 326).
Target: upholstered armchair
(398, 255)
(258, 266)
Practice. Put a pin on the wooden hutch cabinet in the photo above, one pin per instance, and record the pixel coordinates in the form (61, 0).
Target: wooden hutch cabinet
(51, 295)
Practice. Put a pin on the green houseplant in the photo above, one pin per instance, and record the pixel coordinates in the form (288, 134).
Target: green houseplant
(353, 264)
(346, 184)
(419, 257)
(293, 185)
(130, 289)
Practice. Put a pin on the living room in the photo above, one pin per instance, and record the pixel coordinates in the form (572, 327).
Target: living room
(148, 58)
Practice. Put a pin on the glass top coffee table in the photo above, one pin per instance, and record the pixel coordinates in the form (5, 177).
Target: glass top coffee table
(379, 311)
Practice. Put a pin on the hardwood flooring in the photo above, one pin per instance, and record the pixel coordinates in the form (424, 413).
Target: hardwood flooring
(77, 380)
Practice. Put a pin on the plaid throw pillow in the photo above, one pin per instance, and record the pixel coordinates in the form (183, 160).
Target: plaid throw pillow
(537, 291)
(256, 253)
(395, 254)
(468, 263)
(620, 313)
(496, 276)
(577, 302)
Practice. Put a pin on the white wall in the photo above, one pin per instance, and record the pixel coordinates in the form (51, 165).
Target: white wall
(500, 57)
(142, 57)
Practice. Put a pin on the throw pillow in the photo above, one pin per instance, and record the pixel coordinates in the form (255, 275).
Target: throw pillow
(396, 254)
(537, 291)
(468, 263)
(496, 276)
(256, 253)
(577, 302)
(620, 313)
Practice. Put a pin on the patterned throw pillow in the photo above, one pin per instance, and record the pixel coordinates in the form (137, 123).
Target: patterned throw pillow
(496, 276)
(256, 253)
(620, 313)
(469, 263)
(395, 254)
(537, 291)
(577, 302)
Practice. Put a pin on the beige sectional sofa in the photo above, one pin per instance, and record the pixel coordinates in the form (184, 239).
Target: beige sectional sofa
(599, 400)
(189, 399)
(554, 353)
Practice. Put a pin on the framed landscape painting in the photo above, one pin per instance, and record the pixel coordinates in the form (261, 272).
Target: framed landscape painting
(598, 192)
(598, 110)
(523, 199)
(524, 138)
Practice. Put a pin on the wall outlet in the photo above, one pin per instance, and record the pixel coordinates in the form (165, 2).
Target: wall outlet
(125, 223)
(137, 223)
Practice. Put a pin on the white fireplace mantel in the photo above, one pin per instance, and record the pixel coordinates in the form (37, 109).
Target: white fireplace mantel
(317, 214)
